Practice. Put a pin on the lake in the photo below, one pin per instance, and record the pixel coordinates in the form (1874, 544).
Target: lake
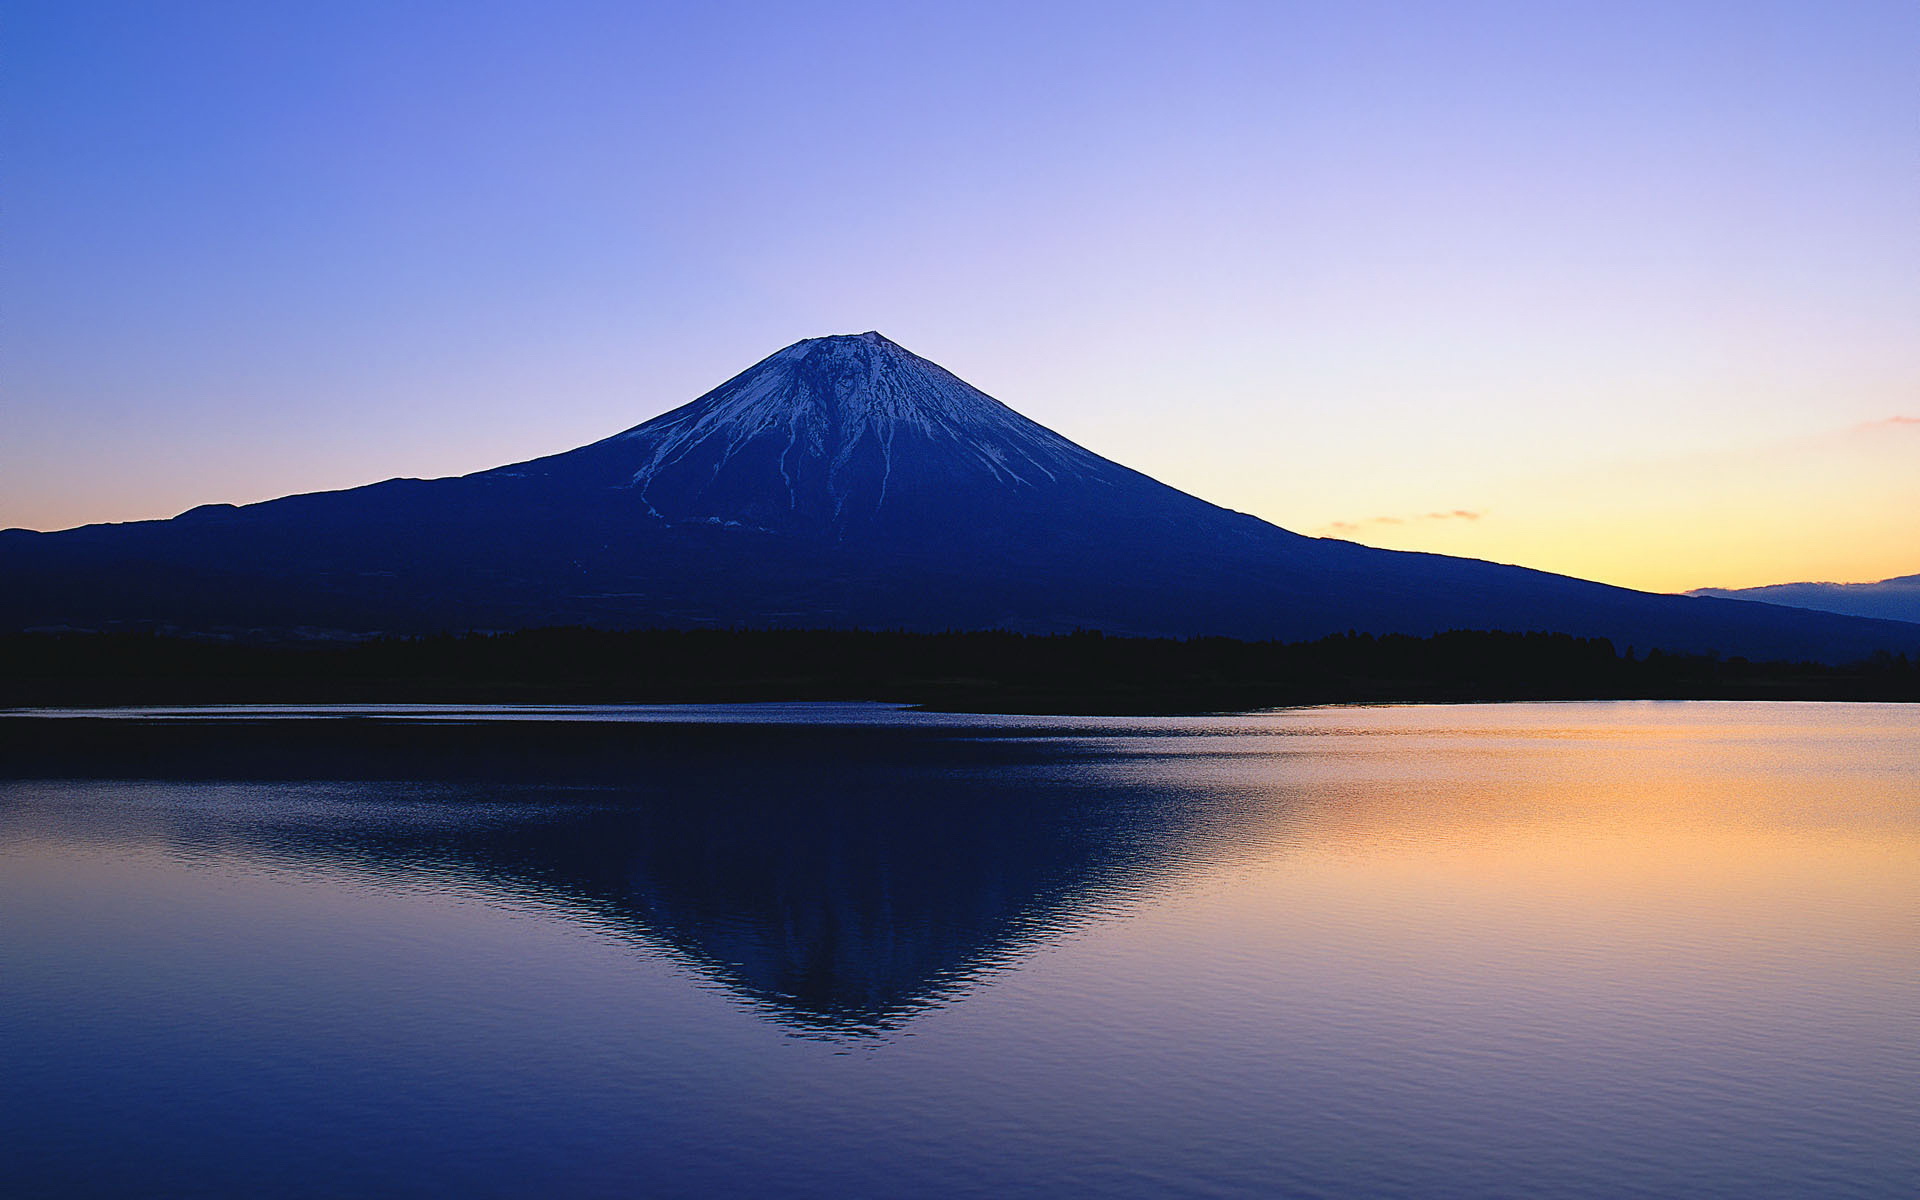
(1528, 950)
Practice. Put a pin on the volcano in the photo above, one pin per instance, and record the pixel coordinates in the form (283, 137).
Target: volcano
(842, 482)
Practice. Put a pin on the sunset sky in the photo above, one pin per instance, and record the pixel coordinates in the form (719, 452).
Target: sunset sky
(1627, 291)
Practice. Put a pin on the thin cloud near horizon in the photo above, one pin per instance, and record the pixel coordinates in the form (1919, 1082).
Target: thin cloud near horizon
(1458, 514)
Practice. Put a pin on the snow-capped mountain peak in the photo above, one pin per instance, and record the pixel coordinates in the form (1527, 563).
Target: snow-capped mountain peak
(847, 425)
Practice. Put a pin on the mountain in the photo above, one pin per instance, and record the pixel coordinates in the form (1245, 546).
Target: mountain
(1895, 599)
(841, 482)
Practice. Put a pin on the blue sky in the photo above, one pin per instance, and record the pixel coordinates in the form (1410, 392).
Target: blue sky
(1634, 286)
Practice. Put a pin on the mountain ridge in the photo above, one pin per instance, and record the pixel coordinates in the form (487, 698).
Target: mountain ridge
(841, 482)
(1894, 599)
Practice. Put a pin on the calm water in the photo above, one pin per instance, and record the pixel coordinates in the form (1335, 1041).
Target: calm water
(1568, 950)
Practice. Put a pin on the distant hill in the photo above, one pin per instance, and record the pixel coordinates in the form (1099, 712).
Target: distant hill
(842, 482)
(1895, 599)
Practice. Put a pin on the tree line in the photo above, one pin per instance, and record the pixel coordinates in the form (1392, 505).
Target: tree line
(996, 670)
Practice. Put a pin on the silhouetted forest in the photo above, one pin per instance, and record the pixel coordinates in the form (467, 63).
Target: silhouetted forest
(992, 671)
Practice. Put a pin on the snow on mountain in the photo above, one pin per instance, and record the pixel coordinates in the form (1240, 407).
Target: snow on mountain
(843, 423)
(830, 396)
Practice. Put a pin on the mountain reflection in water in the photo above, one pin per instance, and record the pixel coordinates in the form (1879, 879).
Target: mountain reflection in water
(1572, 952)
(839, 878)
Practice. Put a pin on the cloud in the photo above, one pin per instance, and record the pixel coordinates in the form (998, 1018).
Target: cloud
(1345, 527)
(1887, 423)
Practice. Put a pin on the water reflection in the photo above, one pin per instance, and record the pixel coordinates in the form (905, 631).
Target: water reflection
(840, 879)
(1544, 950)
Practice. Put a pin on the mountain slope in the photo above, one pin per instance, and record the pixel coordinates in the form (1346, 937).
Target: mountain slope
(1896, 599)
(840, 482)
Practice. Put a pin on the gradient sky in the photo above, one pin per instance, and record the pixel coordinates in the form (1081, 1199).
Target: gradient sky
(1629, 291)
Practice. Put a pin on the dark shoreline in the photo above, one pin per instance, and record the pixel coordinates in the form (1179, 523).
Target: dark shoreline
(1082, 673)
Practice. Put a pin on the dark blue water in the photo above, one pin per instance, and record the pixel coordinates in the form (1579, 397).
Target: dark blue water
(1515, 950)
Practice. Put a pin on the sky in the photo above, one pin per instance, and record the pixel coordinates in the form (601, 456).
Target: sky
(1626, 291)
